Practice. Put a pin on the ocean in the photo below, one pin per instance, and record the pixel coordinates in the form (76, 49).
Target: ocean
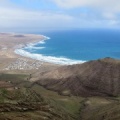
(74, 46)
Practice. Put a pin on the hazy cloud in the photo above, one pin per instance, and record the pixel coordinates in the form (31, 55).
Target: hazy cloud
(104, 11)
(104, 14)
(24, 18)
(112, 5)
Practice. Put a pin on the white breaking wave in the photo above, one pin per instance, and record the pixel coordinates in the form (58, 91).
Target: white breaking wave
(45, 37)
(41, 42)
(32, 47)
(33, 44)
(50, 59)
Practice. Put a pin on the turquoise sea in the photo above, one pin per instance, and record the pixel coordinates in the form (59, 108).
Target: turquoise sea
(74, 46)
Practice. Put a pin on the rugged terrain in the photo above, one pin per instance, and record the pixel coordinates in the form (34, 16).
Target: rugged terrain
(19, 101)
(100, 77)
(88, 91)
(35, 90)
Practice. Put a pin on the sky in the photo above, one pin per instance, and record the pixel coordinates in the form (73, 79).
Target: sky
(21, 15)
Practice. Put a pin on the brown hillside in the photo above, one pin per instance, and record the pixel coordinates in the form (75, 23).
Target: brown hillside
(100, 77)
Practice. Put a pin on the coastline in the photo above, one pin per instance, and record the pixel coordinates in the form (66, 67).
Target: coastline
(12, 48)
(12, 41)
(22, 46)
(43, 58)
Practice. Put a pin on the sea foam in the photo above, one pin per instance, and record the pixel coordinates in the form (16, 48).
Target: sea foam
(32, 45)
(50, 59)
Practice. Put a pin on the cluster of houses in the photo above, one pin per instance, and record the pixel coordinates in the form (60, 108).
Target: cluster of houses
(24, 64)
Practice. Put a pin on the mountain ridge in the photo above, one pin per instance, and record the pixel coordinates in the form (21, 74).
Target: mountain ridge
(99, 77)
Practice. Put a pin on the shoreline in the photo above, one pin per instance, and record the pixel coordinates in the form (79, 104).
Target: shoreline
(17, 43)
(22, 46)
(10, 42)
(49, 59)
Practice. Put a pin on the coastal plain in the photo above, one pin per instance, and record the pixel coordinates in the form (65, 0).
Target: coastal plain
(12, 62)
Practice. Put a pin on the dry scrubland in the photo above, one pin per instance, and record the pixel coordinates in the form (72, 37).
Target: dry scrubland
(27, 100)
(34, 90)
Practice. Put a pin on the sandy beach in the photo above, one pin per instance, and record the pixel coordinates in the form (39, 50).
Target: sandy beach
(11, 41)
(12, 62)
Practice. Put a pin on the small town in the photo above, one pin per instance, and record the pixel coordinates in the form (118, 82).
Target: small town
(24, 64)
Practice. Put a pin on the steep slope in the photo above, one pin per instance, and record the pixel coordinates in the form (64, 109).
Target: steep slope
(100, 77)
(106, 112)
(26, 104)
(19, 101)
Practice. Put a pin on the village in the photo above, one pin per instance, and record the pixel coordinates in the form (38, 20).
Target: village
(24, 64)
